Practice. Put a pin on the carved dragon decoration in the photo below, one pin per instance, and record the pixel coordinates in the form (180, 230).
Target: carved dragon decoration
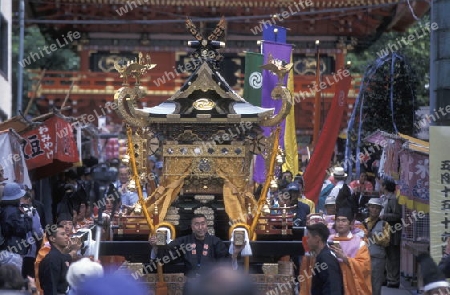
(126, 97)
(280, 69)
(126, 100)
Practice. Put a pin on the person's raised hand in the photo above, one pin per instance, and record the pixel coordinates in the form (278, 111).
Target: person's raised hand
(152, 240)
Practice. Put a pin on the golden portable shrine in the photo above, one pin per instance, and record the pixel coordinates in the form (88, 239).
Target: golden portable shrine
(207, 136)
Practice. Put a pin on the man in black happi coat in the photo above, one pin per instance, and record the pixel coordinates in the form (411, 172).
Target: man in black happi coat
(199, 251)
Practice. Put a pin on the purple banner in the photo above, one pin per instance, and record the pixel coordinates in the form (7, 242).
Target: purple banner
(282, 52)
(270, 35)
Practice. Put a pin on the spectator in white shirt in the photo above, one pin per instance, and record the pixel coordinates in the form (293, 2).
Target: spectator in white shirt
(128, 198)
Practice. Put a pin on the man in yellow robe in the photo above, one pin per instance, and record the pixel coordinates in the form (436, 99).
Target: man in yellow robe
(353, 255)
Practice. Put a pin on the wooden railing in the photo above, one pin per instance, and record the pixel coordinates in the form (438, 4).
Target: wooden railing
(99, 80)
(58, 80)
(101, 86)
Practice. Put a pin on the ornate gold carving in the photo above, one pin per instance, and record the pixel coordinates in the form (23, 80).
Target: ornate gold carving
(126, 98)
(209, 217)
(203, 104)
(140, 148)
(173, 215)
(204, 198)
(188, 136)
(269, 149)
(208, 212)
(239, 237)
(161, 238)
(206, 149)
(203, 184)
(279, 68)
(173, 210)
(270, 268)
(204, 166)
(256, 145)
(279, 92)
(204, 82)
(136, 68)
(217, 33)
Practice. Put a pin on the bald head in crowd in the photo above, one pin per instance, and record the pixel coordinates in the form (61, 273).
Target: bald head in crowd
(222, 281)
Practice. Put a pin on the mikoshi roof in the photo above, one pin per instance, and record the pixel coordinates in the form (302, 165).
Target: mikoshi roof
(205, 96)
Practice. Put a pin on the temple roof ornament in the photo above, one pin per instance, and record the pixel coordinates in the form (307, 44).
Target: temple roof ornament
(206, 49)
(136, 68)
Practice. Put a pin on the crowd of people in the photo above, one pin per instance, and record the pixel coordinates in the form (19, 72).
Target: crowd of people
(41, 246)
(361, 227)
(364, 245)
(346, 252)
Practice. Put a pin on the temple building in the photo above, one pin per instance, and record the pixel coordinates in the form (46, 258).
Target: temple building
(110, 31)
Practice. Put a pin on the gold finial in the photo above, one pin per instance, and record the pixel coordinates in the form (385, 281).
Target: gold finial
(278, 67)
(280, 156)
(136, 68)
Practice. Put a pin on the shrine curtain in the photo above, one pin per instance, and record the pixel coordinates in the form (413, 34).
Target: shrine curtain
(171, 184)
(235, 192)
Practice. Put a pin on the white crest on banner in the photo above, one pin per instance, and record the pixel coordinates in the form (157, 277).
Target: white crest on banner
(255, 80)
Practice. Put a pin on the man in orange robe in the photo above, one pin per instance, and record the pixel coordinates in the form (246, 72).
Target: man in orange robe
(353, 255)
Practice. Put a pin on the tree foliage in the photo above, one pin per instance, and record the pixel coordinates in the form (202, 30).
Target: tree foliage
(387, 98)
(63, 59)
(395, 83)
(416, 53)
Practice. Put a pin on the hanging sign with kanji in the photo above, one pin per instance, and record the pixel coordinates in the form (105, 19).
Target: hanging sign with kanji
(439, 190)
(51, 141)
(414, 180)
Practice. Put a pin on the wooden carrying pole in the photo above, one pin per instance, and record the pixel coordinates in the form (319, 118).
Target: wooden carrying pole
(265, 189)
(161, 286)
(137, 181)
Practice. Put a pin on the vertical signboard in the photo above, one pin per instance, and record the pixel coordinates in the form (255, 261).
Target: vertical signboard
(439, 189)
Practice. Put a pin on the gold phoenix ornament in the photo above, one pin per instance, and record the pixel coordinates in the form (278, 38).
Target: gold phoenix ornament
(136, 68)
(279, 67)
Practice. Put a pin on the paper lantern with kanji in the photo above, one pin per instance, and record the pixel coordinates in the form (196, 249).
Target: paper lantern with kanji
(50, 148)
